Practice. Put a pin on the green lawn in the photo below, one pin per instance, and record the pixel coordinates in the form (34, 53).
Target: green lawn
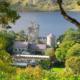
(57, 69)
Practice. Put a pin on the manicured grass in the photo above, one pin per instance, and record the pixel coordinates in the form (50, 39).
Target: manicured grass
(57, 69)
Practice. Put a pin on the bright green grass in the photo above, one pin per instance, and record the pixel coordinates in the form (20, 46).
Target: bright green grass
(57, 69)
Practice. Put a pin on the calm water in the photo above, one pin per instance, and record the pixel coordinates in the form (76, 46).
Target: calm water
(50, 22)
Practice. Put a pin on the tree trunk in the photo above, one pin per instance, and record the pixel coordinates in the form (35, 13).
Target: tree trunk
(66, 16)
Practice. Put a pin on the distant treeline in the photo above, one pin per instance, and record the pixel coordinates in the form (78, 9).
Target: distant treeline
(43, 5)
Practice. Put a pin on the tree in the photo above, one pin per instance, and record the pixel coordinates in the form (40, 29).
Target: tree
(5, 57)
(5, 66)
(50, 52)
(72, 35)
(74, 50)
(6, 39)
(21, 35)
(66, 16)
(7, 14)
(69, 45)
(49, 63)
(61, 52)
(73, 63)
(60, 39)
(78, 2)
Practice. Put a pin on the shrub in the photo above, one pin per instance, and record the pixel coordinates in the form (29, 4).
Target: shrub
(73, 63)
(4, 76)
(5, 56)
(50, 52)
(37, 73)
(44, 64)
(30, 73)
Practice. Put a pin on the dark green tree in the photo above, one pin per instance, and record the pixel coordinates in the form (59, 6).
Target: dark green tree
(6, 39)
(7, 14)
(21, 35)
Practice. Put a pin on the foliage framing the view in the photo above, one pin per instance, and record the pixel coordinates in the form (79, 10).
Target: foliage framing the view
(7, 15)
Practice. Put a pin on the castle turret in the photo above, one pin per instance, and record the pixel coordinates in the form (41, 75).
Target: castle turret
(51, 40)
(33, 31)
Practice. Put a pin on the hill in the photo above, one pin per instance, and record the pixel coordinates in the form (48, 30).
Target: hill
(44, 5)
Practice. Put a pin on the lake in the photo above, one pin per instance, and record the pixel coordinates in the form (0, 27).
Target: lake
(50, 22)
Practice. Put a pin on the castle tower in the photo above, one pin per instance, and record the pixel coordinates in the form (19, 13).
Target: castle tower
(33, 31)
(51, 40)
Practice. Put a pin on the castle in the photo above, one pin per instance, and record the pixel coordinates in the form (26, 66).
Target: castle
(35, 44)
(28, 52)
